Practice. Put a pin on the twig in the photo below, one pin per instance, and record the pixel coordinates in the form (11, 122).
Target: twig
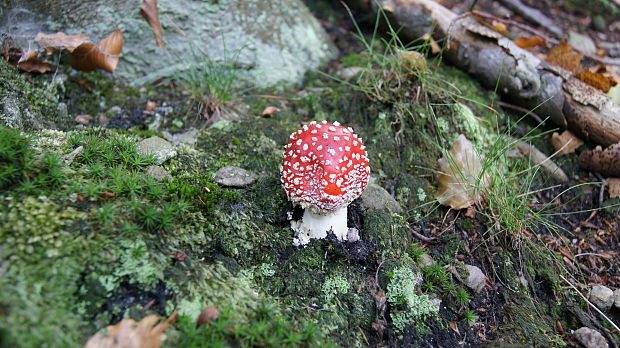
(423, 237)
(601, 195)
(523, 110)
(533, 15)
(590, 303)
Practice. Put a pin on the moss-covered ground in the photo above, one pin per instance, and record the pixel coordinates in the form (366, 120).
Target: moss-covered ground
(86, 241)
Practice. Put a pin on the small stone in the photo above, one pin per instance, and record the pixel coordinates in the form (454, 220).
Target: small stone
(188, 138)
(234, 177)
(347, 74)
(476, 279)
(590, 338)
(159, 148)
(376, 197)
(582, 43)
(158, 173)
(602, 297)
(426, 260)
(83, 119)
(617, 298)
(599, 23)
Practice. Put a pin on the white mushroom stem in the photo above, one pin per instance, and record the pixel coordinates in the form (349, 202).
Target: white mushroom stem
(315, 226)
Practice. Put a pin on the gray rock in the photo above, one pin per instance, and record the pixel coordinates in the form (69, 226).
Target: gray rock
(590, 338)
(581, 42)
(426, 260)
(268, 42)
(158, 173)
(159, 148)
(602, 297)
(376, 197)
(234, 177)
(347, 74)
(617, 298)
(476, 279)
(188, 138)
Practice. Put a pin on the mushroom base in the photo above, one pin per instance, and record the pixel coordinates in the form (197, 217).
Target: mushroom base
(316, 226)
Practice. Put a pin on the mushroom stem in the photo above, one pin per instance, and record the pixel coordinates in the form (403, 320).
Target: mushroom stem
(315, 226)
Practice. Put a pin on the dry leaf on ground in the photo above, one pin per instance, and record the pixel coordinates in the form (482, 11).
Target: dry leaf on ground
(613, 187)
(564, 56)
(35, 65)
(52, 43)
(104, 55)
(530, 41)
(149, 11)
(605, 162)
(459, 176)
(565, 143)
(600, 81)
(270, 110)
(131, 334)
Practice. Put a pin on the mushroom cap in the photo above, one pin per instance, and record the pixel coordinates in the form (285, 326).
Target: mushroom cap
(325, 167)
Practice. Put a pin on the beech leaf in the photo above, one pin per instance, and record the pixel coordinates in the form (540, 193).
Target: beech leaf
(52, 43)
(530, 41)
(565, 143)
(104, 55)
(131, 334)
(613, 187)
(149, 11)
(564, 56)
(600, 81)
(459, 178)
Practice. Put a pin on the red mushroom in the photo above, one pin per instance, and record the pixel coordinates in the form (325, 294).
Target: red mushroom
(325, 167)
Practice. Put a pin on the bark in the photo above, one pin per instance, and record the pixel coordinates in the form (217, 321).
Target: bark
(521, 77)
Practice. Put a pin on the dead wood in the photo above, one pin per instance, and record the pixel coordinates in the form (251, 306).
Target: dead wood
(522, 78)
(533, 15)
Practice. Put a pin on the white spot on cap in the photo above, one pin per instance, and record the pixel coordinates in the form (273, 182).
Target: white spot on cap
(336, 123)
(319, 148)
(332, 128)
(313, 131)
(325, 136)
(347, 148)
(305, 147)
(337, 138)
(332, 152)
(314, 139)
(298, 142)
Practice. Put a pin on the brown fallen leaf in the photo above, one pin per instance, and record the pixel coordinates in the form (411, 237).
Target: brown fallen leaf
(600, 81)
(565, 143)
(613, 187)
(131, 334)
(435, 48)
(34, 65)
(454, 326)
(206, 316)
(606, 162)
(530, 41)
(150, 105)
(459, 177)
(564, 56)
(270, 110)
(149, 11)
(83, 119)
(52, 43)
(104, 55)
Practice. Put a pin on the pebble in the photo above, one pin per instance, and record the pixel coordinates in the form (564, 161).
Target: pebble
(376, 197)
(426, 260)
(161, 149)
(602, 297)
(234, 177)
(158, 173)
(617, 298)
(476, 279)
(83, 119)
(590, 338)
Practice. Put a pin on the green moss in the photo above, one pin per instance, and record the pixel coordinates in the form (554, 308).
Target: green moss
(389, 232)
(28, 105)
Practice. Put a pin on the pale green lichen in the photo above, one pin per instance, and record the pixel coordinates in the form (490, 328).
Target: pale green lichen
(421, 194)
(407, 306)
(334, 285)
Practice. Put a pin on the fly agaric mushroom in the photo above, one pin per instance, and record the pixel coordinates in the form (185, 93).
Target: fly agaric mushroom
(325, 167)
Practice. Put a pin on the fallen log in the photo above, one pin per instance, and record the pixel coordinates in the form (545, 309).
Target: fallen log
(521, 77)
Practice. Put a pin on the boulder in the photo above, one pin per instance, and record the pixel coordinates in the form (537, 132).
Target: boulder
(268, 42)
(157, 147)
(234, 177)
(476, 280)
